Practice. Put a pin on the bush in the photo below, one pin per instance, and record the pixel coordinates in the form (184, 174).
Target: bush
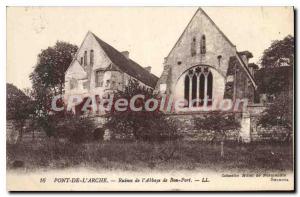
(141, 125)
(69, 126)
(76, 129)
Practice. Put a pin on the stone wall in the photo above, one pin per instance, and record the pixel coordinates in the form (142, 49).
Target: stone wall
(186, 127)
(28, 135)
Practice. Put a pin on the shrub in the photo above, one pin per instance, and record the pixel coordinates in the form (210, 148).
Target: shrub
(141, 125)
(76, 129)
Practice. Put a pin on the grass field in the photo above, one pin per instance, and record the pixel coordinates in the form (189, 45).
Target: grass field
(135, 156)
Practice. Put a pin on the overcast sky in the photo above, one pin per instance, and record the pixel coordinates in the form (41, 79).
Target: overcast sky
(147, 33)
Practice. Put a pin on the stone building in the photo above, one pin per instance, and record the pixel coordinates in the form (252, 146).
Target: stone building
(203, 66)
(204, 62)
(100, 69)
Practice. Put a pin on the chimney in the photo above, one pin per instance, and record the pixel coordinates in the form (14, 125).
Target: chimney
(253, 68)
(148, 68)
(126, 54)
(246, 55)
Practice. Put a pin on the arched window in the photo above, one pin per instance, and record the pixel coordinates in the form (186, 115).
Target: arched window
(198, 85)
(201, 88)
(85, 59)
(193, 47)
(194, 89)
(187, 89)
(81, 61)
(92, 57)
(209, 88)
(203, 45)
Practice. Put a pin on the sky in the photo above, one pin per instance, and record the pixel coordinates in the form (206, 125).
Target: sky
(148, 33)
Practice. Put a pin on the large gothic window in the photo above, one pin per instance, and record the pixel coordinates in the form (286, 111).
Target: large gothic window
(198, 86)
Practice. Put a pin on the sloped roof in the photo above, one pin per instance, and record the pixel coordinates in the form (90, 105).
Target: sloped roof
(236, 60)
(247, 70)
(127, 65)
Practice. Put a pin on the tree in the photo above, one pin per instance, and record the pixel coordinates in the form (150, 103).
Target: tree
(278, 50)
(52, 65)
(142, 125)
(19, 107)
(48, 79)
(48, 75)
(219, 123)
(279, 113)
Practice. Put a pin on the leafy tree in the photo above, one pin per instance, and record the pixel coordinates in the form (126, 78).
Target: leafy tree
(19, 107)
(279, 49)
(52, 65)
(48, 80)
(142, 125)
(219, 123)
(273, 81)
(48, 75)
(279, 113)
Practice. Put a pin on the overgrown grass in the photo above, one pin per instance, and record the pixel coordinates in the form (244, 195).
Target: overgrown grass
(135, 156)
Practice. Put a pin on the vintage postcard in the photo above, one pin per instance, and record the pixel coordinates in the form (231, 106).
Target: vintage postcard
(150, 99)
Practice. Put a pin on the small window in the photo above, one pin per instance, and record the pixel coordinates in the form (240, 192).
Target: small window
(85, 59)
(107, 83)
(99, 78)
(193, 47)
(81, 61)
(163, 88)
(113, 83)
(73, 84)
(203, 45)
(92, 57)
(84, 85)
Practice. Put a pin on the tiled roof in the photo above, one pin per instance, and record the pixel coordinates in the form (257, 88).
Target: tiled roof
(127, 65)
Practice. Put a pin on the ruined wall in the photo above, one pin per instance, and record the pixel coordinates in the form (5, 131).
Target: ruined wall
(28, 135)
(259, 133)
(185, 124)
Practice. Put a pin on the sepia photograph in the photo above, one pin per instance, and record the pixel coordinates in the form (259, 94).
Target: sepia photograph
(150, 98)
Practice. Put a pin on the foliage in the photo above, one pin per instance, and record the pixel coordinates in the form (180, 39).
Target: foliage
(142, 125)
(219, 122)
(278, 113)
(142, 156)
(75, 128)
(72, 127)
(274, 80)
(19, 106)
(279, 49)
(52, 65)
(48, 75)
